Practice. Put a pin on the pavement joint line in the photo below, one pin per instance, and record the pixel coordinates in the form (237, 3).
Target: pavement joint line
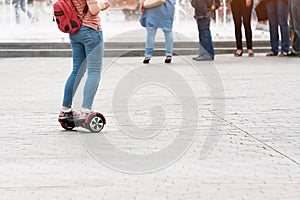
(9, 188)
(257, 139)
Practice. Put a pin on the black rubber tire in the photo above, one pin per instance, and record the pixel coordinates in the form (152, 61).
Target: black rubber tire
(68, 128)
(95, 123)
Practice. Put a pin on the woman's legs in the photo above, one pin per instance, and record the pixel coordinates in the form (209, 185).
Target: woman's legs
(247, 13)
(94, 50)
(87, 48)
(79, 67)
(151, 33)
(169, 41)
(236, 7)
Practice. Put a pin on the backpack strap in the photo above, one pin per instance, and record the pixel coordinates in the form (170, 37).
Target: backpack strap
(86, 9)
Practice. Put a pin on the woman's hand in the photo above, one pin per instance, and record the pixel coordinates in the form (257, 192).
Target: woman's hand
(96, 7)
(213, 8)
(265, 22)
(105, 5)
(142, 8)
(248, 3)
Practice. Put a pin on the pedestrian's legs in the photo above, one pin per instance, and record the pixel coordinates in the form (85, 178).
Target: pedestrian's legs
(295, 16)
(94, 48)
(17, 12)
(247, 13)
(24, 8)
(44, 9)
(169, 42)
(294, 7)
(273, 23)
(36, 5)
(296, 44)
(282, 13)
(151, 33)
(236, 8)
(79, 68)
(205, 40)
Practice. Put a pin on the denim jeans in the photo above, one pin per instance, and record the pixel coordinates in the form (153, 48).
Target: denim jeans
(151, 33)
(87, 49)
(294, 7)
(205, 40)
(278, 15)
(21, 4)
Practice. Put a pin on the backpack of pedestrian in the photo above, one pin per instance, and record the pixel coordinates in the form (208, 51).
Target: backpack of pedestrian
(66, 16)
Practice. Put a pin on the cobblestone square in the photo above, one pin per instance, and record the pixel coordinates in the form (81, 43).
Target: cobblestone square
(251, 151)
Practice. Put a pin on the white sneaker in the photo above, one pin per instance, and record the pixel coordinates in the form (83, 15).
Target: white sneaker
(84, 113)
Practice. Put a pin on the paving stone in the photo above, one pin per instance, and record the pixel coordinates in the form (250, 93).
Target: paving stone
(254, 148)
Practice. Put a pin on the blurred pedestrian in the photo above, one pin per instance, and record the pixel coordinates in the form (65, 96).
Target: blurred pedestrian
(162, 17)
(87, 51)
(202, 15)
(242, 12)
(278, 15)
(21, 4)
(40, 6)
(294, 9)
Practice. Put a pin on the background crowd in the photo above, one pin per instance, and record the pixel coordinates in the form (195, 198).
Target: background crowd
(38, 7)
(277, 12)
(282, 22)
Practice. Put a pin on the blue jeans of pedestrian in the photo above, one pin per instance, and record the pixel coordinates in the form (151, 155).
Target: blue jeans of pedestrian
(21, 4)
(278, 15)
(205, 40)
(294, 8)
(87, 49)
(151, 33)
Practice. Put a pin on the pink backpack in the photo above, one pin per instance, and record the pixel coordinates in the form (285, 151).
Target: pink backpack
(66, 16)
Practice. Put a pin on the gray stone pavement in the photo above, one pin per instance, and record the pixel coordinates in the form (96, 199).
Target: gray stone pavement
(253, 149)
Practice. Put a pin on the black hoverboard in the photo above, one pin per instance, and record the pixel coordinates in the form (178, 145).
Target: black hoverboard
(94, 122)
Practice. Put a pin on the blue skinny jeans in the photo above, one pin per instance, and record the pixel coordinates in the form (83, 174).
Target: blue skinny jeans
(87, 49)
